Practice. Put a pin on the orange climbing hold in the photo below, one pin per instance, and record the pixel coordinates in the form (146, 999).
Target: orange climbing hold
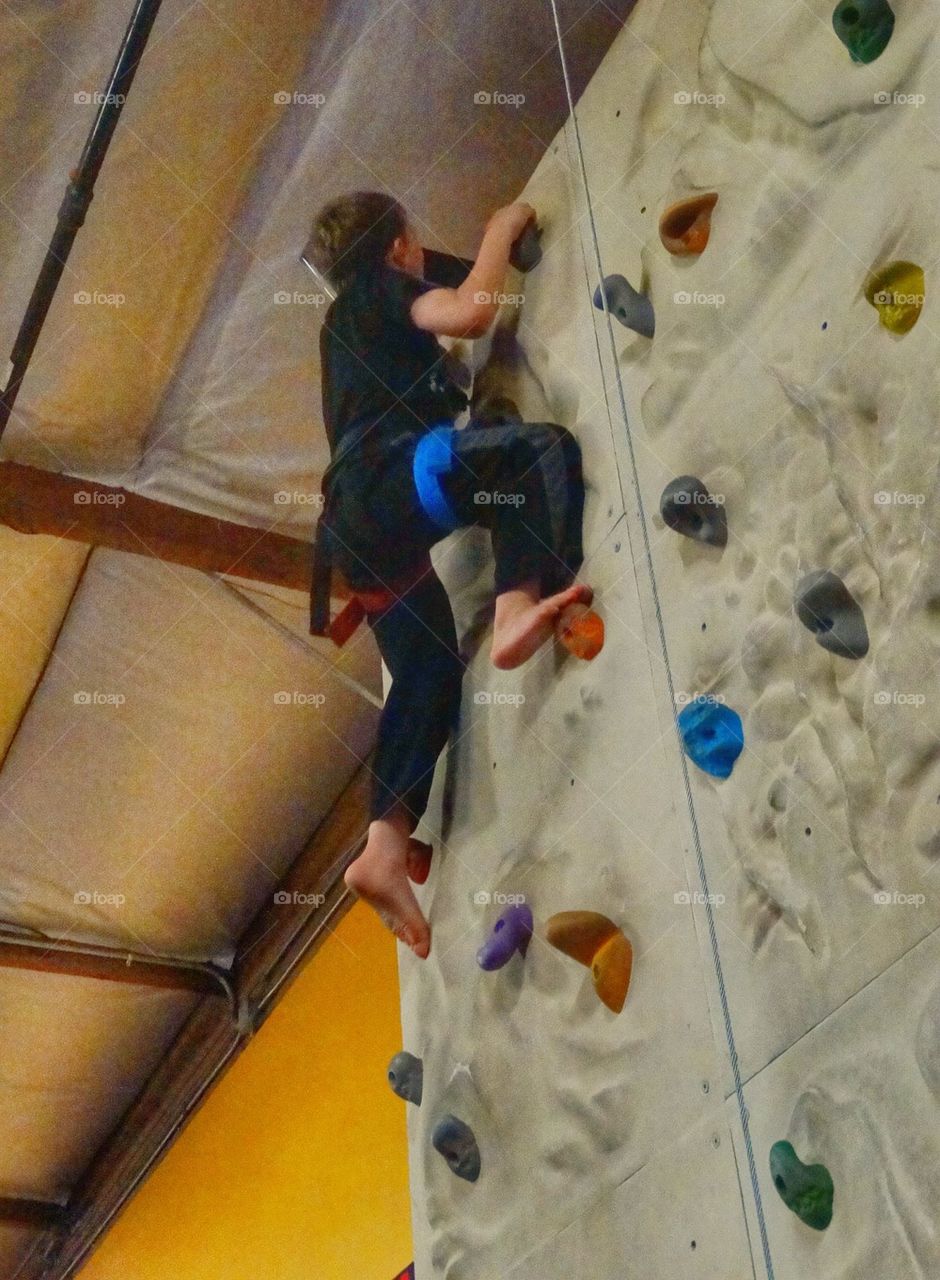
(580, 934)
(600, 945)
(685, 226)
(581, 631)
(611, 970)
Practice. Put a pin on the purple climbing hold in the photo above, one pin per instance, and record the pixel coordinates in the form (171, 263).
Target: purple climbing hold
(512, 932)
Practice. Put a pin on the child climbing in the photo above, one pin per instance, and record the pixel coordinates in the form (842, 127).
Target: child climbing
(401, 478)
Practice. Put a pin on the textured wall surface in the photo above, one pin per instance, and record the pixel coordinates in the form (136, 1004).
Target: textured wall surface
(783, 918)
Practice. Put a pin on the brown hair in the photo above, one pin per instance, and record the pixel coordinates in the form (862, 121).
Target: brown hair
(354, 233)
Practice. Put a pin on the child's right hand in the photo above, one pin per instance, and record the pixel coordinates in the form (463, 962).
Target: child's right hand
(512, 218)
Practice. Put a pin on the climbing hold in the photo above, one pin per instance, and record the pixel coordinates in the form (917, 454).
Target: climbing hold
(581, 631)
(807, 1189)
(512, 932)
(688, 507)
(526, 251)
(712, 735)
(596, 942)
(456, 1143)
(684, 227)
(826, 607)
(579, 934)
(406, 1076)
(864, 27)
(632, 309)
(611, 969)
(897, 293)
(497, 411)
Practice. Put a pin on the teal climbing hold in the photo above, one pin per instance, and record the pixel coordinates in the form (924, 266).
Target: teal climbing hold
(864, 27)
(806, 1189)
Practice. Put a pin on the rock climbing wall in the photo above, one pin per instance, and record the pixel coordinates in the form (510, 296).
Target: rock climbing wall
(761, 531)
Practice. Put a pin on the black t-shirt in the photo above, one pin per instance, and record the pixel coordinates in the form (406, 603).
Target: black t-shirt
(378, 368)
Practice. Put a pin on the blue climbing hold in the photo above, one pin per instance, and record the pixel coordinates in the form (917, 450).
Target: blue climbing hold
(713, 736)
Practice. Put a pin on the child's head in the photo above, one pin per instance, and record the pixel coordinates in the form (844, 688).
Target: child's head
(358, 232)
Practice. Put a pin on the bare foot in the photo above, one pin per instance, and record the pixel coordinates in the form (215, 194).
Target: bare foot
(380, 877)
(524, 622)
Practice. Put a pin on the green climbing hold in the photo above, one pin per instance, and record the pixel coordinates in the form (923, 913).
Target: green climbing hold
(805, 1188)
(864, 27)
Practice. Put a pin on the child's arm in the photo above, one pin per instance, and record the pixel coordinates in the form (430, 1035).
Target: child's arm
(469, 310)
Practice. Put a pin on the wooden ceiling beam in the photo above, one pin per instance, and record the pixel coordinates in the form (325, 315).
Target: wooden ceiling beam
(33, 500)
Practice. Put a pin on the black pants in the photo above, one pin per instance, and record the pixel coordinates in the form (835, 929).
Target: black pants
(523, 483)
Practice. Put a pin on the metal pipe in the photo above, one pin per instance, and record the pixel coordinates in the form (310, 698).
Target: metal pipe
(78, 196)
(119, 959)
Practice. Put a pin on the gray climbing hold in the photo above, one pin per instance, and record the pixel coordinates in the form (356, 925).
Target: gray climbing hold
(526, 251)
(497, 411)
(687, 507)
(632, 309)
(406, 1076)
(826, 607)
(456, 1143)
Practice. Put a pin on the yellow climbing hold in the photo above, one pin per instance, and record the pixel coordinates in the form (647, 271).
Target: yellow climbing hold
(896, 291)
(685, 226)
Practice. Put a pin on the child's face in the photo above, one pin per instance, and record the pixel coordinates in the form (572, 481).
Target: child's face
(407, 254)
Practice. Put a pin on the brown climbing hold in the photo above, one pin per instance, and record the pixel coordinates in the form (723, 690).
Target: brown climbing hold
(685, 226)
(580, 934)
(611, 969)
(581, 631)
